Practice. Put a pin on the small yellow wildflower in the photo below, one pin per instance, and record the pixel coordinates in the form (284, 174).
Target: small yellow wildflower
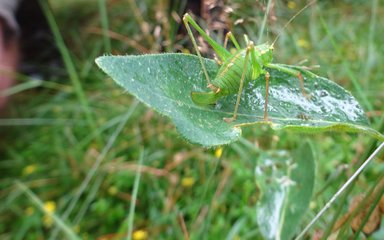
(112, 190)
(50, 206)
(29, 211)
(218, 152)
(187, 182)
(291, 5)
(29, 169)
(303, 43)
(140, 235)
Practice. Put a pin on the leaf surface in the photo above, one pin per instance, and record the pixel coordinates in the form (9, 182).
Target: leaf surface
(286, 184)
(164, 82)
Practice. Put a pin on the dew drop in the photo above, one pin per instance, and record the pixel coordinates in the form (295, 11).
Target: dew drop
(324, 109)
(323, 93)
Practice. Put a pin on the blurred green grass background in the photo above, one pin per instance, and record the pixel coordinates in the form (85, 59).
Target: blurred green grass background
(74, 140)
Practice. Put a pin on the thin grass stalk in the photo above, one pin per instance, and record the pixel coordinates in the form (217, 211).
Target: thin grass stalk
(59, 222)
(371, 45)
(264, 23)
(105, 25)
(91, 173)
(135, 190)
(341, 190)
(68, 64)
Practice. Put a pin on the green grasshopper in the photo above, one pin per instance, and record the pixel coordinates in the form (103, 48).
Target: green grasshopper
(236, 69)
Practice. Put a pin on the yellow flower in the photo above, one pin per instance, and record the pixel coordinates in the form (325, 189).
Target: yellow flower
(303, 43)
(113, 190)
(29, 169)
(218, 152)
(140, 235)
(187, 182)
(291, 5)
(50, 206)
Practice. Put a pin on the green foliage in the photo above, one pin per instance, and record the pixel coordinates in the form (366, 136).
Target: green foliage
(49, 144)
(286, 184)
(164, 82)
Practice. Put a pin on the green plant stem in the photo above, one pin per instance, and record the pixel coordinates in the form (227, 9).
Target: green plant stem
(60, 223)
(336, 215)
(261, 31)
(372, 146)
(104, 25)
(135, 189)
(345, 189)
(91, 173)
(210, 211)
(371, 48)
(68, 64)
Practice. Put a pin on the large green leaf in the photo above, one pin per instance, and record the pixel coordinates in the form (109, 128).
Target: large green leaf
(165, 81)
(286, 184)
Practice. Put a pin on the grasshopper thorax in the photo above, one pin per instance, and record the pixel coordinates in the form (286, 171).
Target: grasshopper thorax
(232, 69)
(266, 53)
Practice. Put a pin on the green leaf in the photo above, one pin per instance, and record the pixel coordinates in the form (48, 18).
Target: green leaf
(164, 82)
(286, 185)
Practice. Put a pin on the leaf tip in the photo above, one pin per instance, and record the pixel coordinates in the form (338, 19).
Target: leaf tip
(99, 61)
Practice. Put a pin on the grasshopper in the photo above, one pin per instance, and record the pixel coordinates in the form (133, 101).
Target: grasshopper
(237, 69)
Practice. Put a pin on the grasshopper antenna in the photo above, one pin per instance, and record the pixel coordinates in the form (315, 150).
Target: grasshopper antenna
(290, 20)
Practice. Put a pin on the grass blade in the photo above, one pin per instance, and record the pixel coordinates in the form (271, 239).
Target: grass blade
(135, 189)
(341, 190)
(104, 25)
(59, 222)
(68, 64)
(91, 173)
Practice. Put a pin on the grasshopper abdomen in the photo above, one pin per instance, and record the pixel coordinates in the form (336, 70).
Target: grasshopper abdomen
(229, 74)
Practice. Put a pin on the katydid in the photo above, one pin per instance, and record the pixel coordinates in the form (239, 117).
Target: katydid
(236, 69)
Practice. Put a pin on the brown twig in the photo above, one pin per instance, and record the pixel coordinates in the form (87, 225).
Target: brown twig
(183, 226)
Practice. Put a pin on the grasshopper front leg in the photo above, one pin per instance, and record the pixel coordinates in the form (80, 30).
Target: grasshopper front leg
(186, 20)
(220, 51)
(230, 36)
